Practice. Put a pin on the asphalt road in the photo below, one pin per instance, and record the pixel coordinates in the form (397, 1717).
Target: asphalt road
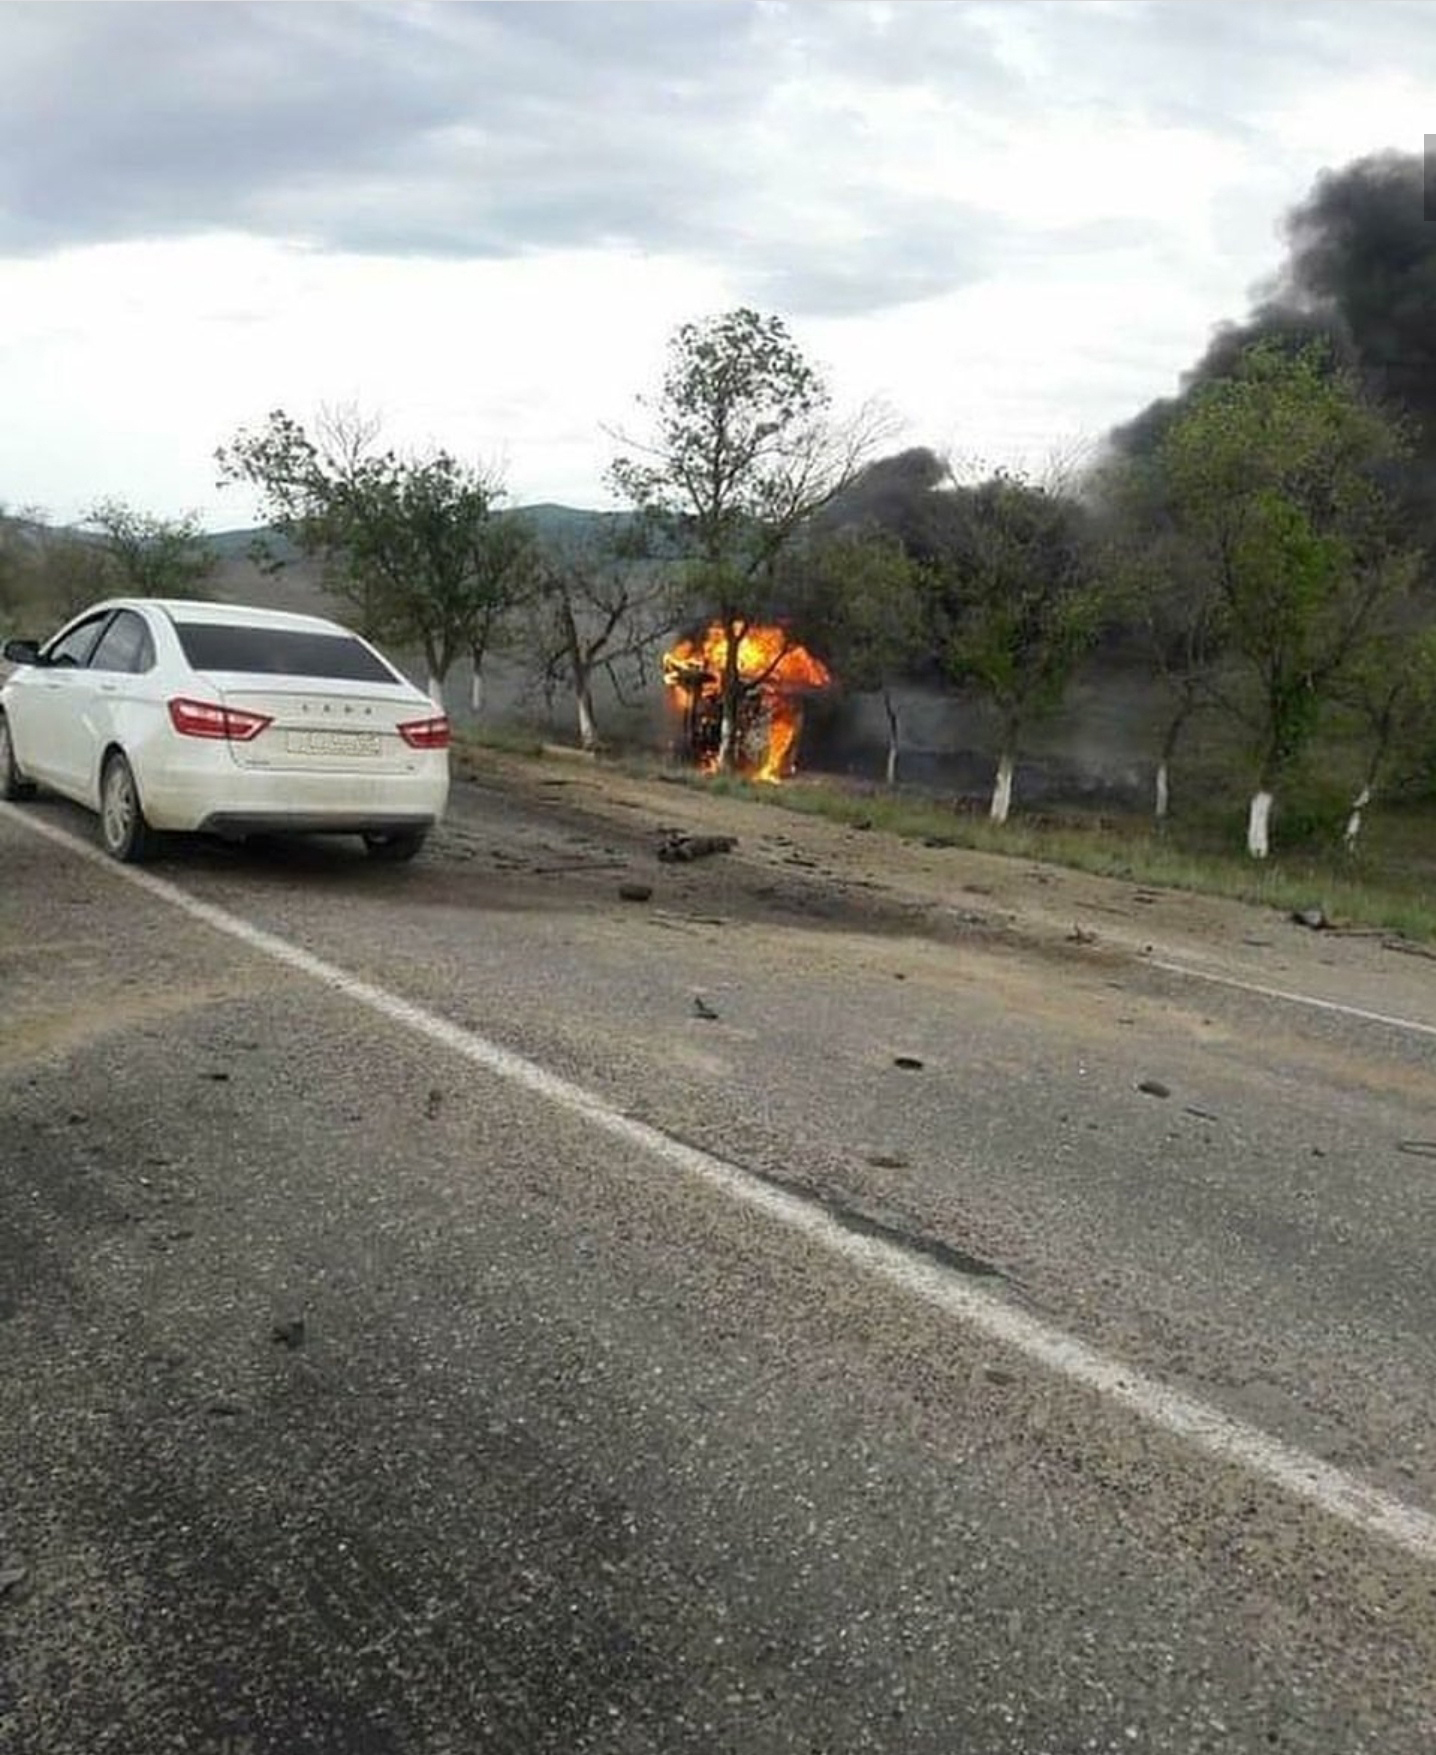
(454, 1309)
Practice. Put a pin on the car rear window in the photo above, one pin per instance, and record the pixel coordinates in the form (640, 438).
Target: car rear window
(279, 652)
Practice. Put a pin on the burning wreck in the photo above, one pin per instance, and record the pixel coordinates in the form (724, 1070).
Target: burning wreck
(773, 677)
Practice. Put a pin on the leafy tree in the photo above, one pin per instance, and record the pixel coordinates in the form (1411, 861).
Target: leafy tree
(150, 556)
(1275, 475)
(415, 545)
(1016, 603)
(1167, 597)
(861, 599)
(741, 453)
(600, 605)
(1390, 691)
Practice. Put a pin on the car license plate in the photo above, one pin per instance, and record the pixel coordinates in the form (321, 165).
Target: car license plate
(332, 743)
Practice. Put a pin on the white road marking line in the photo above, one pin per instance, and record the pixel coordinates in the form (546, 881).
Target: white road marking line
(1332, 1490)
(1323, 1005)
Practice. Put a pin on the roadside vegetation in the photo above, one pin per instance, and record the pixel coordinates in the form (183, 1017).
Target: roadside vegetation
(1260, 550)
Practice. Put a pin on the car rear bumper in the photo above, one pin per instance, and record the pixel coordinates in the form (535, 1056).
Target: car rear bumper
(223, 798)
(232, 823)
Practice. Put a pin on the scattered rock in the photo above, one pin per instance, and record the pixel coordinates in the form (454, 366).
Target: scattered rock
(635, 892)
(11, 1574)
(996, 1375)
(887, 1160)
(1153, 1088)
(938, 841)
(433, 1103)
(1417, 1148)
(217, 1077)
(288, 1334)
(1313, 918)
(863, 824)
(1080, 936)
(678, 847)
(1201, 1114)
(908, 1062)
(224, 1410)
(702, 1009)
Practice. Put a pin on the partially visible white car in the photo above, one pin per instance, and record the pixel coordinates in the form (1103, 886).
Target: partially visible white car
(169, 715)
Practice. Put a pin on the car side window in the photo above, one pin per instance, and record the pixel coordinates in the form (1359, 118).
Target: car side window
(76, 646)
(125, 645)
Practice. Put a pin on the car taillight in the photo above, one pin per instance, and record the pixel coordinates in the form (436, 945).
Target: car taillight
(202, 719)
(426, 734)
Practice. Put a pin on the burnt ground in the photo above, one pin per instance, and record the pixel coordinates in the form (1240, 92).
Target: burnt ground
(585, 828)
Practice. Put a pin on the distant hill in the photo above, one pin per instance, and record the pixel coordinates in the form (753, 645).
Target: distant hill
(549, 522)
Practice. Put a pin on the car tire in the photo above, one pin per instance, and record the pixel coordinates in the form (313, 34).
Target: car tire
(123, 830)
(13, 784)
(396, 848)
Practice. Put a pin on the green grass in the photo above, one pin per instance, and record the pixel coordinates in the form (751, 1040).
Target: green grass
(506, 741)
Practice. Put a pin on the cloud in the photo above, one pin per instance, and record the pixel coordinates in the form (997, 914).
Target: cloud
(841, 157)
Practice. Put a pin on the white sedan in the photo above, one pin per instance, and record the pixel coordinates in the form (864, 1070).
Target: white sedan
(169, 715)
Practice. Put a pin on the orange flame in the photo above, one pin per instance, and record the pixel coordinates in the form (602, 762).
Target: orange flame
(774, 668)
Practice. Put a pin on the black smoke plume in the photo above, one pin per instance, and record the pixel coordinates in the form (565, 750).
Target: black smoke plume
(1360, 276)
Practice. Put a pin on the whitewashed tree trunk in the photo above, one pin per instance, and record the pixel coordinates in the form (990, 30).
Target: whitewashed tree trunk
(1353, 822)
(1002, 788)
(436, 691)
(476, 691)
(728, 739)
(587, 724)
(1259, 825)
(892, 761)
(1163, 802)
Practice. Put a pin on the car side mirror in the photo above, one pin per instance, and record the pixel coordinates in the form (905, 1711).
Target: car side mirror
(22, 652)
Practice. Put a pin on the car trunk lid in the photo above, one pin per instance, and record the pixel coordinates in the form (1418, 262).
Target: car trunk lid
(347, 728)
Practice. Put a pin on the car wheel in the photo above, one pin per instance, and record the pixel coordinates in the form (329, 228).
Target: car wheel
(396, 848)
(123, 829)
(13, 783)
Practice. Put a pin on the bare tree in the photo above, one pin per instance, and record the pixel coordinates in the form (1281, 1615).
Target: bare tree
(600, 607)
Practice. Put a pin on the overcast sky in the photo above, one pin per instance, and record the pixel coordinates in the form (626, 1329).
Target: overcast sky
(1016, 223)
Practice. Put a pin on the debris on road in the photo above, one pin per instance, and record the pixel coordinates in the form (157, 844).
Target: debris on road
(288, 1334)
(11, 1574)
(1153, 1088)
(635, 892)
(1405, 945)
(433, 1103)
(702, 1009)
(908, 1062)
(678, 847)
(1316, 919)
